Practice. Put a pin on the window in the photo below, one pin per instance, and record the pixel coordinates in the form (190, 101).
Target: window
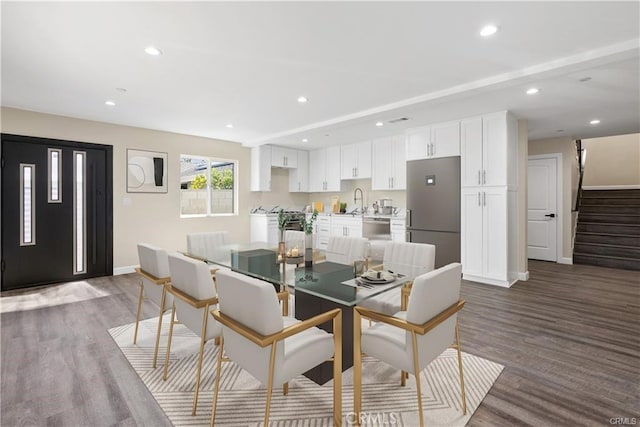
(27, 204)
(207, 186)
(55, 175)
(79, 213)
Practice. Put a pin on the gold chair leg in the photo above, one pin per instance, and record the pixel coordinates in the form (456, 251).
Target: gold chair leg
(357, 365)
(203, 340)
(403, 379)
(337, 370)
(462, 392)
(166, 359)
(217, 383)
(272, 362)
(416, 369)
(162, 302)
(285, 389)
(135, 334)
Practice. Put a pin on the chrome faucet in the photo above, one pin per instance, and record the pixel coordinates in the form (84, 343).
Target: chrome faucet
(355, 198)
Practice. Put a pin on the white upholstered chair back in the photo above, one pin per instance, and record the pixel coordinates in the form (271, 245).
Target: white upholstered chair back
(347, 250)
(408, 258)
(208, 244)
(193, 278)
(293, 237)
(431, 294)
(254, 304)
(154, 260)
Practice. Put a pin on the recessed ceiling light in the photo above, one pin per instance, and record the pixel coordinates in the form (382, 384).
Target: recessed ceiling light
(488, 30)
(302, 99)
(110, 103)
(305, 140)
(153, 51)
(379, 124)
(584, 79)
(532, 91)
(594, 122)
(229, 125)
(560, 130)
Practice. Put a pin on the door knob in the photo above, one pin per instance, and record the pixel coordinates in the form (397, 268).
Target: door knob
(551, 215)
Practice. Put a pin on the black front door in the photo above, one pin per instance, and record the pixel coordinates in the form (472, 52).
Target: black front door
(56, 211)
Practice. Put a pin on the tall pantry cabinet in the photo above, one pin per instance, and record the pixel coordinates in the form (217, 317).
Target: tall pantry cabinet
(489, 180)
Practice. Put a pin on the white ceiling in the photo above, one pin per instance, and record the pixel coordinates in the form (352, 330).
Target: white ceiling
(358, 63)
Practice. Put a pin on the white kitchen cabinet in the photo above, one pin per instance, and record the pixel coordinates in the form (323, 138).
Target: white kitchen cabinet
(324, 170)
(346, 225)
(485, 248)
(430, 142)
(264, 228)
(284, 157)
(323, 231)
(355, 160)
(445, 140)
(488, 150)
(398, 229)
(261, 168)
(389, 165)
(417, 140)
(299, 177)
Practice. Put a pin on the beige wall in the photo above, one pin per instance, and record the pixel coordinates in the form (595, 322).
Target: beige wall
(567, 147)
(279, 194)
(612, 161)
(152, 218)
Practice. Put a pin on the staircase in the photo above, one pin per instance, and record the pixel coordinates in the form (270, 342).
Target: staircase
(608, 230)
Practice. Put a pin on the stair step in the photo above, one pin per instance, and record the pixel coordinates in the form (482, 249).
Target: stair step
(611, 209)
(607, 250)
(625, 201)
(607, 239)
(606, 261)
(611, 193)
(607, 218)
(626, 229)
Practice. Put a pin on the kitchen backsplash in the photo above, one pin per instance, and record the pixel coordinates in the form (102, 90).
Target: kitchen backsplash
(280, 195)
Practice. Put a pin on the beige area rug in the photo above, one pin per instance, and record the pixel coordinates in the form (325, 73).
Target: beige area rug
(242, 399)
(49, 296)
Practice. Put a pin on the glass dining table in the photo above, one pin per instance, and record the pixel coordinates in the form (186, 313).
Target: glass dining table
(328, 283)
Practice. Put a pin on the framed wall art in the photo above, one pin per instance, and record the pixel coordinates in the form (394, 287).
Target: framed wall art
(146, 171)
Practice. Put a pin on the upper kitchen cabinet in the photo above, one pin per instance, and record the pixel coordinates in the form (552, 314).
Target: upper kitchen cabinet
(488, 146)
(284, 157)
(324, 170)
(299, 177)
(389, 165)
(430, 142)
(355, 160)
(261, 168)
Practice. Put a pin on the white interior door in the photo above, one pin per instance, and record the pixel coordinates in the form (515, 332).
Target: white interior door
(542, 218)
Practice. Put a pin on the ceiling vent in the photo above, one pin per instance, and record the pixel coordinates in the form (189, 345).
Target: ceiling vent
(398, 120)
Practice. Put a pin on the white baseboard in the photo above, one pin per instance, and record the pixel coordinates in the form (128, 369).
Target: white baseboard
(486, 280)
(524, 276)
(565, 260)
(124, 270)
(611, 187)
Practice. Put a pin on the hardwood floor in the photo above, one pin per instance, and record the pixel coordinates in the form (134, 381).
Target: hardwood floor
(569, 340)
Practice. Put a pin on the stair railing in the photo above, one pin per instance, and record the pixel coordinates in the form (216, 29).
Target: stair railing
(581, 153)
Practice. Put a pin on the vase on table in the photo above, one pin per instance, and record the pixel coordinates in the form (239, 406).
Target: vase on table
(308, 250)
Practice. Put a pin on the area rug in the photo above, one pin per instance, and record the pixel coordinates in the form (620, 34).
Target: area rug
(241, 400)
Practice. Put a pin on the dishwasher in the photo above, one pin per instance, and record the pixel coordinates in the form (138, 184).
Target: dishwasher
(376, 228)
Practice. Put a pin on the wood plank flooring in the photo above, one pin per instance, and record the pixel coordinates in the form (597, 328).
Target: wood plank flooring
(569, 339)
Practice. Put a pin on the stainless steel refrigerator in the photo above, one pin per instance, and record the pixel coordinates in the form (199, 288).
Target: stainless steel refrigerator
(433, 206)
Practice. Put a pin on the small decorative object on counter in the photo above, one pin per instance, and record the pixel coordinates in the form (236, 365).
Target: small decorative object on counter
(307, 227)
(343, 207)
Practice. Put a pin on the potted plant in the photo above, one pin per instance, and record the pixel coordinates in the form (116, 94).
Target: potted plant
(283, 221)
(343, 207)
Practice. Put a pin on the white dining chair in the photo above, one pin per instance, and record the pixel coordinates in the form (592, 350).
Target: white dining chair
(411, 259)
(412, 339)
(208, 245)
(273, 348)
(194, 294)
(154, 273)
(347, 250)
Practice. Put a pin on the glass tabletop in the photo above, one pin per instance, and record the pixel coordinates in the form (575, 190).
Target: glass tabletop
(334, 281)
